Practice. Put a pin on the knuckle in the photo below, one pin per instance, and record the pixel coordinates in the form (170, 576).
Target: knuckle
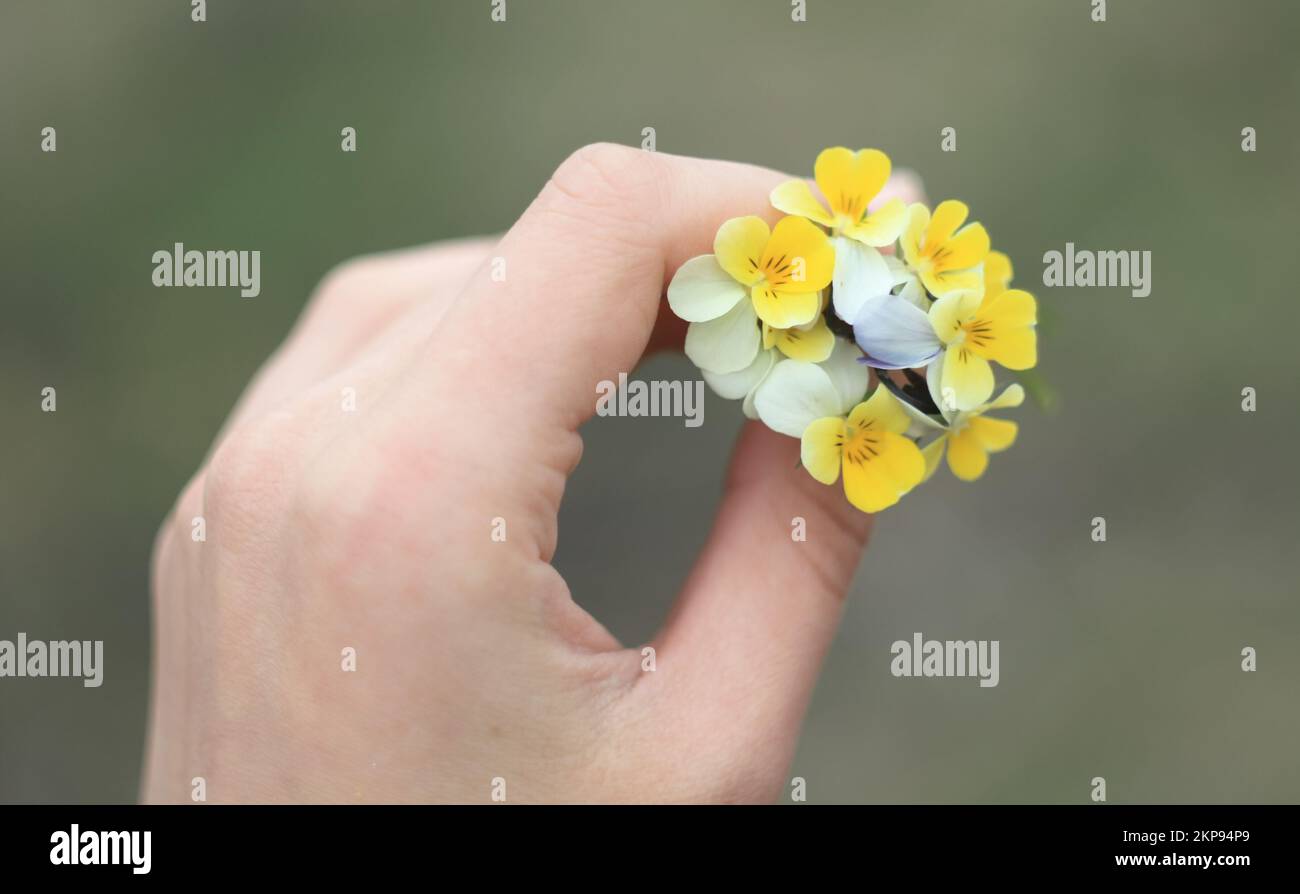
(340, 501)
(250, 473)
(319, 504)
(344, 285)
(604, 178)
(365, 501)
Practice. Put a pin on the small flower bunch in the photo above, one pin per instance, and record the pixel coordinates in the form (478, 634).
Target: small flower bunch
(792, 319)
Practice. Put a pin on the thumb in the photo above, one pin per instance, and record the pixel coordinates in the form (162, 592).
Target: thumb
(748, 634)
(752, 626)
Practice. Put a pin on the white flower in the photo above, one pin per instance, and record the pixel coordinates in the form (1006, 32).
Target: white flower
(723, 336)
(796, 393)
(744, 384)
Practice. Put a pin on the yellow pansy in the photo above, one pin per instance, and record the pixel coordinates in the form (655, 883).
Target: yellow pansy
(971, 436)
(849, 181)
(941, 309)
(755, 274)
(785, 268)
(878, 462)
(975, 330)
(946, 255)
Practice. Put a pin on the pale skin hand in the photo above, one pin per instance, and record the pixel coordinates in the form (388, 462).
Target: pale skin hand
(371, 530)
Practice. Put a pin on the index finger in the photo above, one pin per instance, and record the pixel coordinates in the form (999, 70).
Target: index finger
(580, 277)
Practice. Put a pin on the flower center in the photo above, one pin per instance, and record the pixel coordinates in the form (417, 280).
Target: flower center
(862, 443)
(774, 271)
(979, 332)
(849, 210)
(939, 256)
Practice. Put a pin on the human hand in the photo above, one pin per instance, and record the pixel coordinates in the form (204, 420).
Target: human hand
(329, 529)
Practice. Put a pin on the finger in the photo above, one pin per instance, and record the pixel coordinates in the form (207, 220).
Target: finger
(753, 623)
(744, 643)
(500, 389)
(366, 295)
(669, 334)
(583, 272)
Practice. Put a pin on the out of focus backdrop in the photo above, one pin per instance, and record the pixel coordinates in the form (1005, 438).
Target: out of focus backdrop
(1119, 659)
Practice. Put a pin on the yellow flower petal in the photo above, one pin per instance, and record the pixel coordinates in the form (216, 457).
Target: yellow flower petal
(966, 457)
(1003, 330)
(966, 249)
(1014, 307)
(918, 218)
(949, 312)
(992, 434)
(798, 258)
(947, 217)
(785, 310)
(739, 245)
(821, 448)
(997, 274)
(867, 487)
(882, 226)
(1017, 349)
(946, 282)
(932, 453)
(812, 344)
(1011, 396)
(875, 478)
(903, 462)
(882, 409)
(967, 378)
(850, 180)
(796, 197)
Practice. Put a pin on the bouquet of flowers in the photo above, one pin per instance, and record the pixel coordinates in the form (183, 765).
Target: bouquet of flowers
(793, 319)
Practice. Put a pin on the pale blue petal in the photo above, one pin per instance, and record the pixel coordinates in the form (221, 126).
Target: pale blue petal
(895, 334)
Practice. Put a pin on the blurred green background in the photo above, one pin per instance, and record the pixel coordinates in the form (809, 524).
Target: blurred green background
(1118, 659)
